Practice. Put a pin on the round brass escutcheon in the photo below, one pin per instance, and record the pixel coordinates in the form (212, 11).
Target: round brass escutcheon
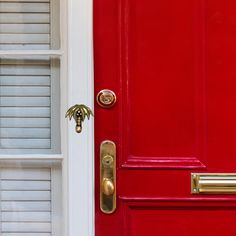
(106, 98)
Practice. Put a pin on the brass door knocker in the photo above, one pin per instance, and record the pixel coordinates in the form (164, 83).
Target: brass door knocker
(79, 112)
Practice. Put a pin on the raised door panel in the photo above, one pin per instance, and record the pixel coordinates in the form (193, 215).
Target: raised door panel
(164, 80)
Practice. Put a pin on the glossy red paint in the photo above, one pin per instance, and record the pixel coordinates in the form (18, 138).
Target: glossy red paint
(172, 65)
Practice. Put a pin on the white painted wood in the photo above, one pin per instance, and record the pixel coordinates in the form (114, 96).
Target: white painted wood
(25, 112)
(23, 7)
(32, 52)
(24, 1)
(25, 70)
(25, 102)
(25, 200)
(25, 173)
(22, 99)
(26, 216)
(26, 227)
(80, 147)
(16, 49)
(38, 206)
(25, 38)
(16, 18)
(25, 60)
(28, 234)
(25, 122)
(27, 91)
(25, 133)
(30, 160)
(26, 28)
(57, 217)
(25, 185)
(26, 195)
(25, 80)
(25, 144)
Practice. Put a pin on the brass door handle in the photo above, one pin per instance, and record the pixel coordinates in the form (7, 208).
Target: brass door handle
(108, 177)
(79, 112)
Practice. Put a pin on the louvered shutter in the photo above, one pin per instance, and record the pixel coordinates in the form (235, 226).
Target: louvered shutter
(26, 84)
(25, 24)
(25, 202)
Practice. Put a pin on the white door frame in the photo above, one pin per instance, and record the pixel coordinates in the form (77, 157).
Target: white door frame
(79, 164)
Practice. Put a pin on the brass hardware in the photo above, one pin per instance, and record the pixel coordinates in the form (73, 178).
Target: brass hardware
(108, 177)
(213, 183)
(106, 98)
(79, 112)
(108, 187)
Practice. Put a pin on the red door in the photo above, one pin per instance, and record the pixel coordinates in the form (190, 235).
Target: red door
(172, 66)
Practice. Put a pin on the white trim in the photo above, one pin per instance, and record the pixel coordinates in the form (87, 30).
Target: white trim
(80, 161)
(56, 201)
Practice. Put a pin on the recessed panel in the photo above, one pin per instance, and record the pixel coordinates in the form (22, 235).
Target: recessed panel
(182, 222)
(165, 77)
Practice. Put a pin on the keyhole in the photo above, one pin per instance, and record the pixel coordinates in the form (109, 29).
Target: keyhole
(107, 160)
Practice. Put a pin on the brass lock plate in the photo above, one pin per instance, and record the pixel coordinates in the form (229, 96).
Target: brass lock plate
(108, 177)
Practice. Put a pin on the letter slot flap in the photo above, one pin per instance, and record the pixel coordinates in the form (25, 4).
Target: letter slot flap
(213, 183)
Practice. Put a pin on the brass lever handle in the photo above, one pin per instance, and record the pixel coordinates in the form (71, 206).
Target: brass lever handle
(79, 112)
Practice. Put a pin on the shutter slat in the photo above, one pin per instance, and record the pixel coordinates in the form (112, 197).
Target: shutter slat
(25, 185)
(26, 206)
(24, 112)
(26, 216)
(24, 47)
(18, 18)
(26, 234)
(25, 133)
(24, 7)
(25, 143)
(24, 91)
(24, 122)
(13, 1)
(26, 174)
(26, 227)
(25, 80)
(24, 38)
(27, 195)
(24, 101)
(25, 70)
(26, 28)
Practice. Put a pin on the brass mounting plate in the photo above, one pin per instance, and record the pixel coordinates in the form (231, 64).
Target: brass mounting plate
(213, 183)
(108, 177)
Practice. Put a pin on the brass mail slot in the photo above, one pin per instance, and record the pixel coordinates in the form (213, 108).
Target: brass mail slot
(213, 183)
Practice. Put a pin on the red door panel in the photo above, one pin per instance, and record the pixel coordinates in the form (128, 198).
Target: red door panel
(172, 66)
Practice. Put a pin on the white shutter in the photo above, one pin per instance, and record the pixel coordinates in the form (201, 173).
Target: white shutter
(25, 96)
(26, 84)
(24, 24)
(30, 195)
(25, 202)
